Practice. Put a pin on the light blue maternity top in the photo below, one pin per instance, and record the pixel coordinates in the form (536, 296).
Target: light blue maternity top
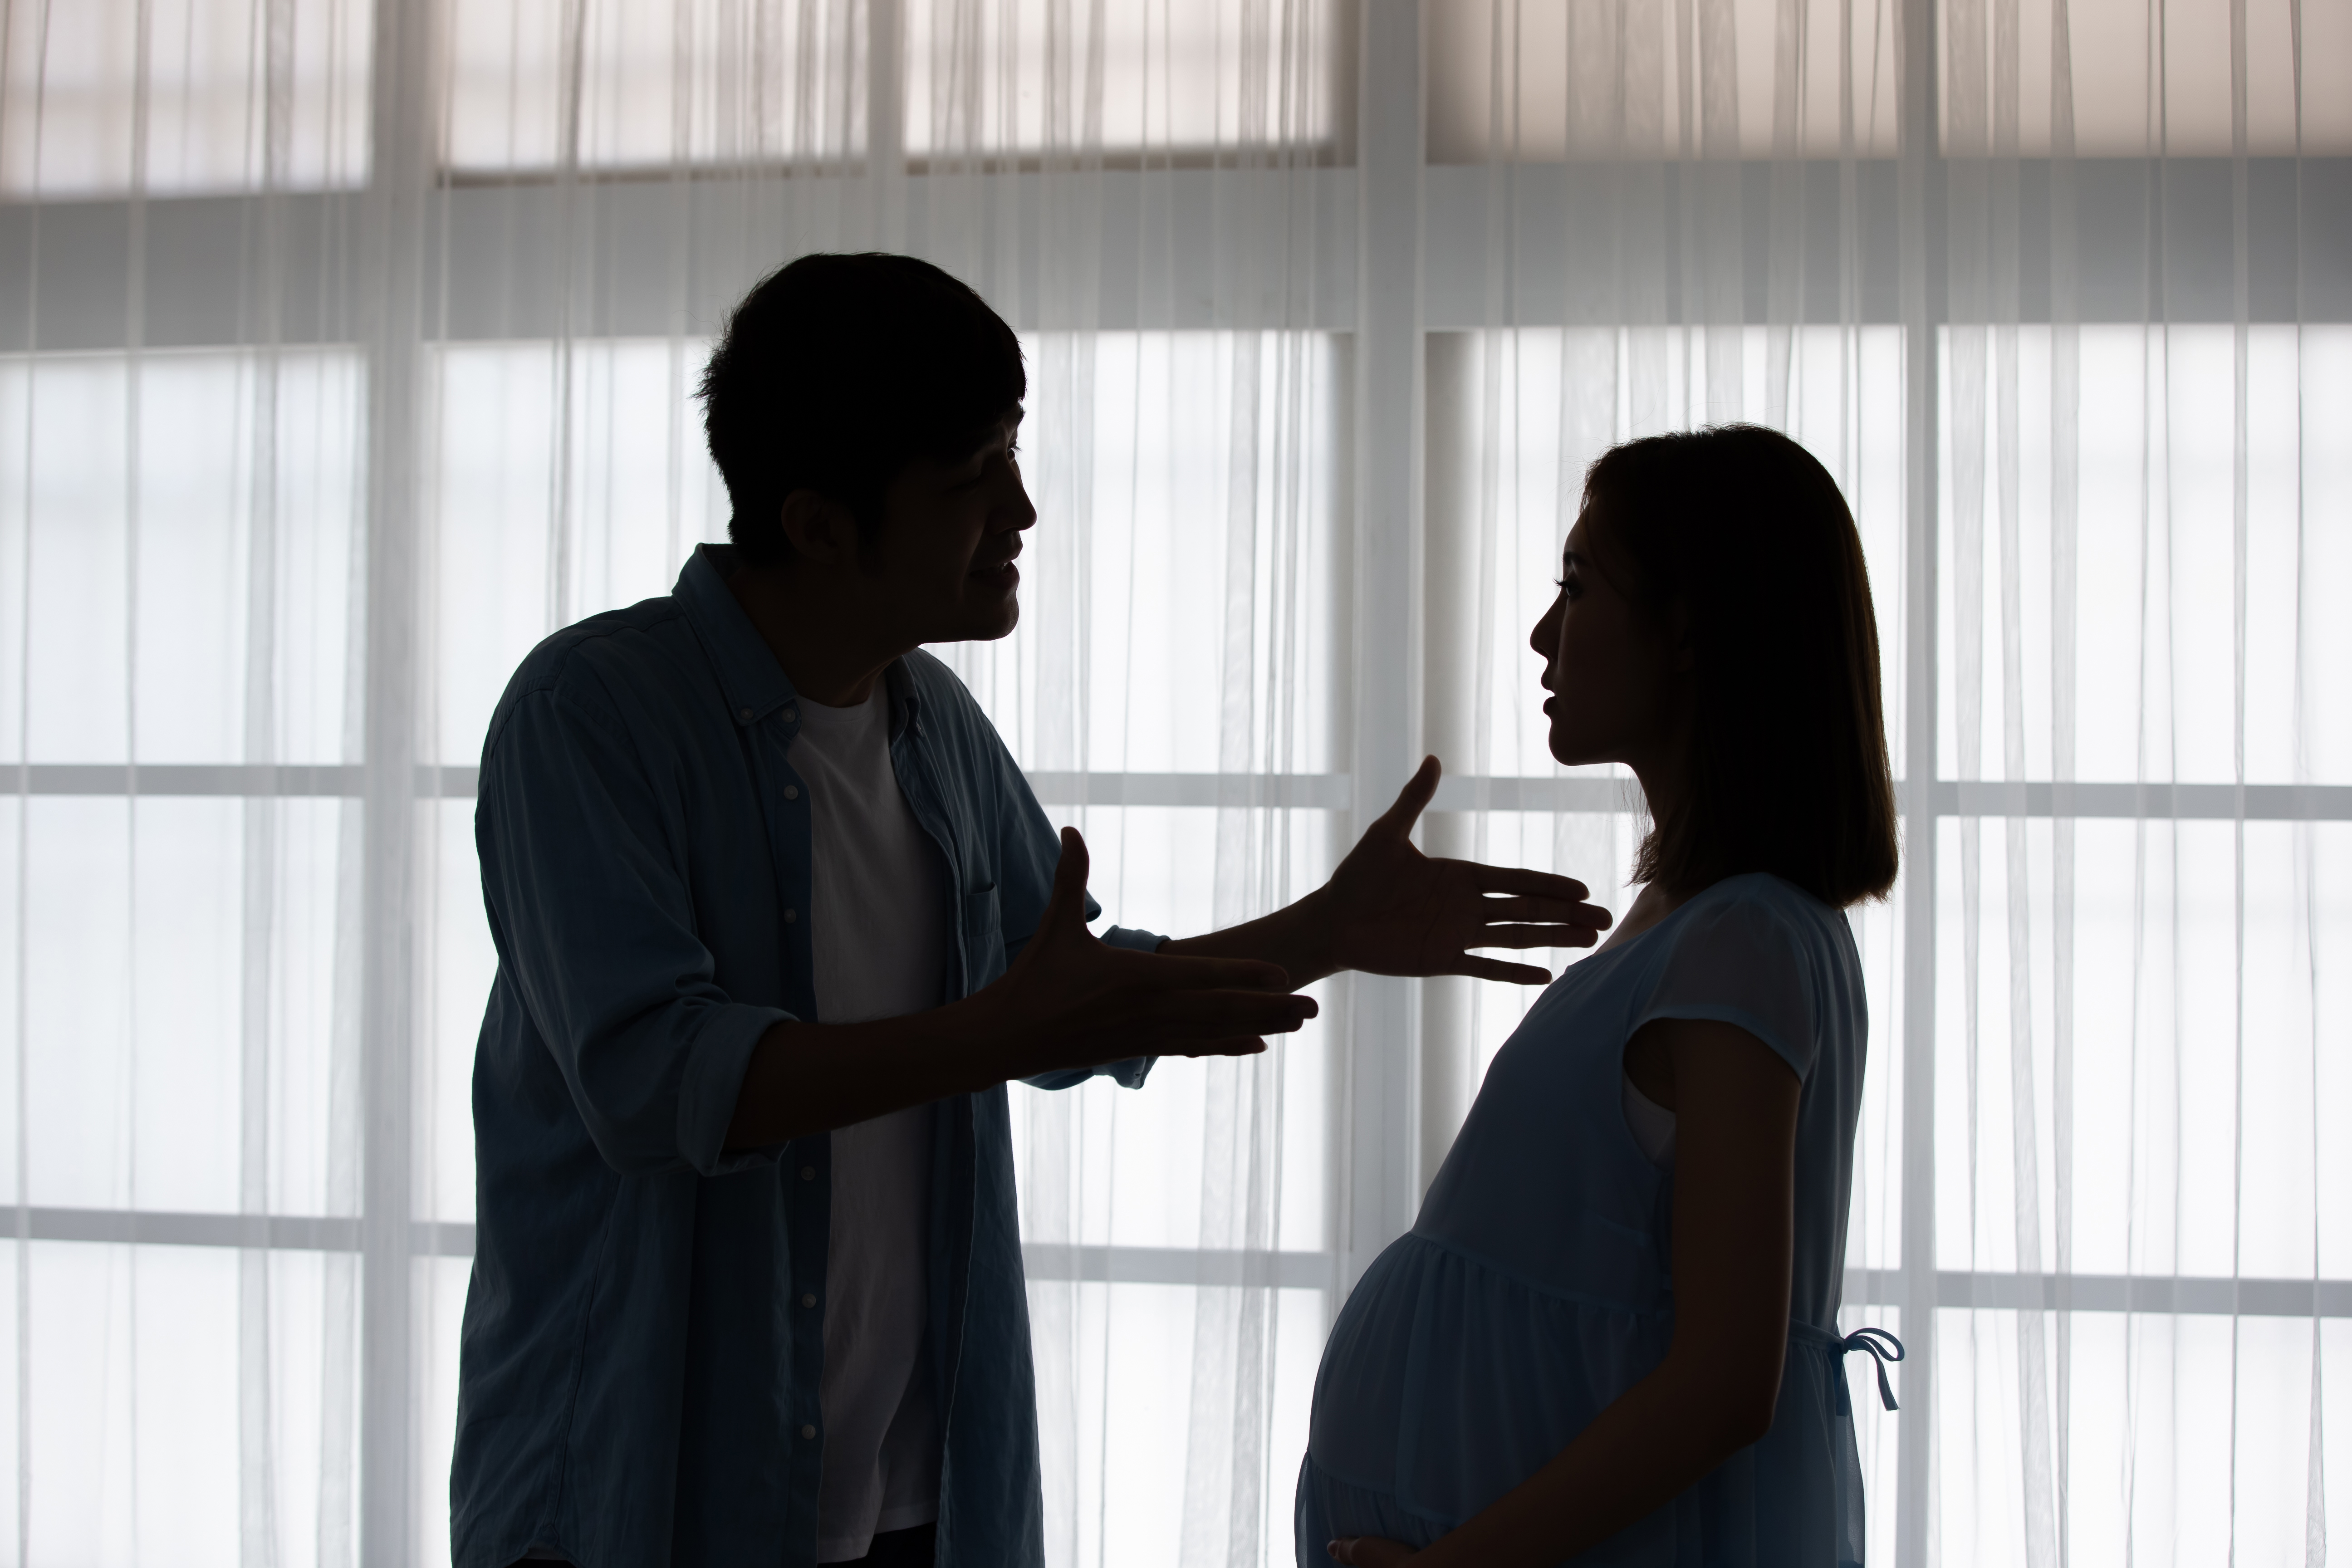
(1537, 1286)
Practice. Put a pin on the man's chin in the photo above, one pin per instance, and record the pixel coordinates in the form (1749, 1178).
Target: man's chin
(992, 623)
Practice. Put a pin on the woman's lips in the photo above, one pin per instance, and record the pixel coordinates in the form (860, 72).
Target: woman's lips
(1003, 578)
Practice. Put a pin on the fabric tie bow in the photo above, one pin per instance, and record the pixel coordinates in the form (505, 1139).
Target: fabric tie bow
(1883, 1347)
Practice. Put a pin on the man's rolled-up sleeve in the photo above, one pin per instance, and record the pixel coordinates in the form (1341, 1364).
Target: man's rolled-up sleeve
(593, 918)
(1029, 849)
(1132, 1072)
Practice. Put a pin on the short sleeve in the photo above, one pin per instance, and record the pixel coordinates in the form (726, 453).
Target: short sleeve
(1738, 961)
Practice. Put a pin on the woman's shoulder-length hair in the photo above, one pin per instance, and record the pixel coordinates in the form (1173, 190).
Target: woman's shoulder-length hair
(1742, 528)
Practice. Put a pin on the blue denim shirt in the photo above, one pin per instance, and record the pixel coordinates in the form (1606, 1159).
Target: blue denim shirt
(643, 1334)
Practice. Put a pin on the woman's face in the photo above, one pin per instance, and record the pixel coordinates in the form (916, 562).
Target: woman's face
(1615, 675)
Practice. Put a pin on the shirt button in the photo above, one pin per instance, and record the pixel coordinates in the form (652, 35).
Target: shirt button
(808, 1173)
(792, 715)
(790, 916)
(808, 1300)
(744, 714)
(792, 791)
(808, 1431)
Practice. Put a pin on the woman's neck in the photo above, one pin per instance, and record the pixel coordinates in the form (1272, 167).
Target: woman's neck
(1654, 903)
(1659, 776)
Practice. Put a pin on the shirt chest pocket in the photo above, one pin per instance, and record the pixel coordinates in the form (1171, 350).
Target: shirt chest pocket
(982, 918)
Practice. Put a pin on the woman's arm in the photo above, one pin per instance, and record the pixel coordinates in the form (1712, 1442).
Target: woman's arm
(1735, 1174)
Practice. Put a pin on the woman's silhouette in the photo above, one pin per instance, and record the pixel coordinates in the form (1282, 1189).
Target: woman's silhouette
(1611, 1332)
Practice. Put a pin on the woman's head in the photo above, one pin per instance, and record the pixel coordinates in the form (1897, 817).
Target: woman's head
(1714, 630)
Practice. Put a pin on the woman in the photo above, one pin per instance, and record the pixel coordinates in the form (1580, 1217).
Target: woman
(1611, 1332)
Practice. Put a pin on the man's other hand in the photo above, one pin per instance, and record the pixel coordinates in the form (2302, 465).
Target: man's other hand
(1071, 1000)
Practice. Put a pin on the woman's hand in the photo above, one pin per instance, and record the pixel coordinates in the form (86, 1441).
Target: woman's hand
(1369, 1551)
(1392, 910)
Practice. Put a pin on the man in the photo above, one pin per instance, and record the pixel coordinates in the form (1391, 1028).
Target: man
(777, 918)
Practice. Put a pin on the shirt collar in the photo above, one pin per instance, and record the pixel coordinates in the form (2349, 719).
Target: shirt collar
(755, 684)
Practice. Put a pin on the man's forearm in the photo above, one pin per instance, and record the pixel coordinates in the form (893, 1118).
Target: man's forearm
(813, 1077)
(1298, 938)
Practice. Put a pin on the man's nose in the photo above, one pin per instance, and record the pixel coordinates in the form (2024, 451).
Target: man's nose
(1017, 511)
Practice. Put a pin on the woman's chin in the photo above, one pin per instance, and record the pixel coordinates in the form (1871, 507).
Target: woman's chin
(1567, 752)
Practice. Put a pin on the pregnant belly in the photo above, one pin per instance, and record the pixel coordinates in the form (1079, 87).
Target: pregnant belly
(1447, 1382)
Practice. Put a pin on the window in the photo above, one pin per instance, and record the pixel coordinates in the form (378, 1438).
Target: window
(305, 440)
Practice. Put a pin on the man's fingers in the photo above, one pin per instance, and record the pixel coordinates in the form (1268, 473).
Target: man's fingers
(1410, 801)
(1177, 972)
(1227, 1046)
(1210, 1014)
(1496, 969)
(1070, 878)
(1535, 936)
(1518, 879)
(1549, 912)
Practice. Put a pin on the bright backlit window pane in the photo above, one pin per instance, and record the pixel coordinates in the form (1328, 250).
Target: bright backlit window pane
(1537, 79)
(2147, 81)
(2157, 693)
(608, 84)
(1180, 612)
(199, 78)
(986, 77)
(192, 519)
(570, 479)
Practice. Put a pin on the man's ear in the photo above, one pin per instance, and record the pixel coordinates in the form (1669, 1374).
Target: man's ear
(820, 528)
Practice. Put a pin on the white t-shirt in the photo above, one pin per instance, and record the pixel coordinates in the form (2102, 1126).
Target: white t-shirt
(878, 934)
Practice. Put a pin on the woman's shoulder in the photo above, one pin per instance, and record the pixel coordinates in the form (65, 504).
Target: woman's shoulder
(1758, 951)
(1763, 902)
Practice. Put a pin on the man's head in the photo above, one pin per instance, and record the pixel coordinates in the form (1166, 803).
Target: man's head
(862, 411)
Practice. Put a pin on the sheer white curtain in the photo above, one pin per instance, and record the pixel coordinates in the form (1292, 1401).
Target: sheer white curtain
(2056, 289)
(346, 349)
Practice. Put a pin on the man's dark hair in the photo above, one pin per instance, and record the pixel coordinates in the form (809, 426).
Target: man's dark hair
(837, 372)
(1788, 765)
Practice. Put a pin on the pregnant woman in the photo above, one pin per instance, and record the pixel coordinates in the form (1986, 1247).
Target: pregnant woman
(1610, 1334)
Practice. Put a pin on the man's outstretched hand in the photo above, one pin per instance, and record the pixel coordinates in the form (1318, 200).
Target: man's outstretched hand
(1071, 1000)
(1392, 910)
